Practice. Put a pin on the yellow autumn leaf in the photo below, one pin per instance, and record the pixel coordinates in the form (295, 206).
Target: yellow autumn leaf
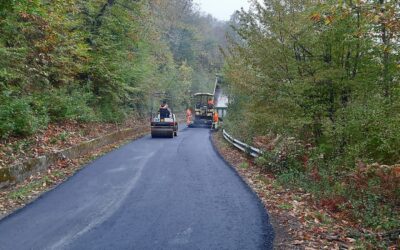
(328, 20)
(316, 17)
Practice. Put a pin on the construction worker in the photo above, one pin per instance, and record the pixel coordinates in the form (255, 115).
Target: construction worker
(164, 105)
(164, 110)
(215, 120)
(210, 103)
(188, 116)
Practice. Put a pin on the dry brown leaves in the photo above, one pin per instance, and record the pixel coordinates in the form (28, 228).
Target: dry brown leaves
(21, 194)
(292, 211)
(57, 137)
(18, 196)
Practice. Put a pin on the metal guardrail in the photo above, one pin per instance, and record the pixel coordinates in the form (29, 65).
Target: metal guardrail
(255, 152)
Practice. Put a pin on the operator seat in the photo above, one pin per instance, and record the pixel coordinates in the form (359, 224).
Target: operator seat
(164, 113)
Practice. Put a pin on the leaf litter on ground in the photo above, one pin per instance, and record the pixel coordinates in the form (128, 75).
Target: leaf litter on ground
(309, 225)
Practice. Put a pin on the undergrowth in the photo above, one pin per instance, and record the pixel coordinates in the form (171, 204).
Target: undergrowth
(369, 194)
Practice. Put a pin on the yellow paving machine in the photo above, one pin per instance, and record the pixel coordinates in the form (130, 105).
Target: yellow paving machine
(203, 110)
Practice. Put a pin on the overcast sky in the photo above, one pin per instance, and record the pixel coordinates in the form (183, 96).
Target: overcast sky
(222, 9)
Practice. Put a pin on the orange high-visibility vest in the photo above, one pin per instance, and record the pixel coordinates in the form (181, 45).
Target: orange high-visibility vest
(216, 118)
(188, 116)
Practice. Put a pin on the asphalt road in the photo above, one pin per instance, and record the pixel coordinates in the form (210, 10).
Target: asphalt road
(150, 194)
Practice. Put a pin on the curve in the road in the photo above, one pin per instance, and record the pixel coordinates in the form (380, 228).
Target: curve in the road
(149, 194)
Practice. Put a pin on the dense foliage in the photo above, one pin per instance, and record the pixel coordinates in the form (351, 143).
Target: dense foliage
(327, 74)
(99, 60)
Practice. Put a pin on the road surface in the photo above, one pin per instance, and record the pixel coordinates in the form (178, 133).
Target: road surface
(149, 194)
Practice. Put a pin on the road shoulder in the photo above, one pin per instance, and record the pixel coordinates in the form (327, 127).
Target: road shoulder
(237, 160)
(298, 223)
(18, 196)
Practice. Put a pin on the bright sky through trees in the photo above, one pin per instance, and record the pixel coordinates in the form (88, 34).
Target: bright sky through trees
(222, 9)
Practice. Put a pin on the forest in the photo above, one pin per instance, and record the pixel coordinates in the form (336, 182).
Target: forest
(317, 84)
(100, 60)
(313, 83)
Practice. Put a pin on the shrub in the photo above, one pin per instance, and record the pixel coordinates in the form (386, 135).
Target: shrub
(17, 117)
(286, 155)
(64, 104)
(110, 112)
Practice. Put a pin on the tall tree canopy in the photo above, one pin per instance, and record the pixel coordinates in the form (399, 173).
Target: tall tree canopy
(99, 59)
(326, 73)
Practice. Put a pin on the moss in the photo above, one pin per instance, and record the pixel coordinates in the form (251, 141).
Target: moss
(5, 176)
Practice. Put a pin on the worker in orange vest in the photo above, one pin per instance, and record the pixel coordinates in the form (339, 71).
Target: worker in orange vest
(215, 120)
(188, 116)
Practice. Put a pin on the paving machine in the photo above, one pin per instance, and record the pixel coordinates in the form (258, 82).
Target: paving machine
(203, 110)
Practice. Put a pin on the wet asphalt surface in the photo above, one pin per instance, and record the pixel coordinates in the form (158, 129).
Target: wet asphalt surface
(149, 194)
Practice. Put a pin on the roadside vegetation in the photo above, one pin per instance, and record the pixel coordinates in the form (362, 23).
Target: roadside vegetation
(298, 219)
(316, 85)
(99, 60)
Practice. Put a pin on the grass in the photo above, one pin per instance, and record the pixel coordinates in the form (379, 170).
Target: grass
(244, 165)
(286, 206)
(323, 218)
(63, 136)
(263, 179)
(24, 191)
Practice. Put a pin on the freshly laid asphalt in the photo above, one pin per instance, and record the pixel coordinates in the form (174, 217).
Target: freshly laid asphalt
(149, 194)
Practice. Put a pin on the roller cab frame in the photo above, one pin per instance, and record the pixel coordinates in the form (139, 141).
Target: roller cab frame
(164, 127)
(163, 123)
